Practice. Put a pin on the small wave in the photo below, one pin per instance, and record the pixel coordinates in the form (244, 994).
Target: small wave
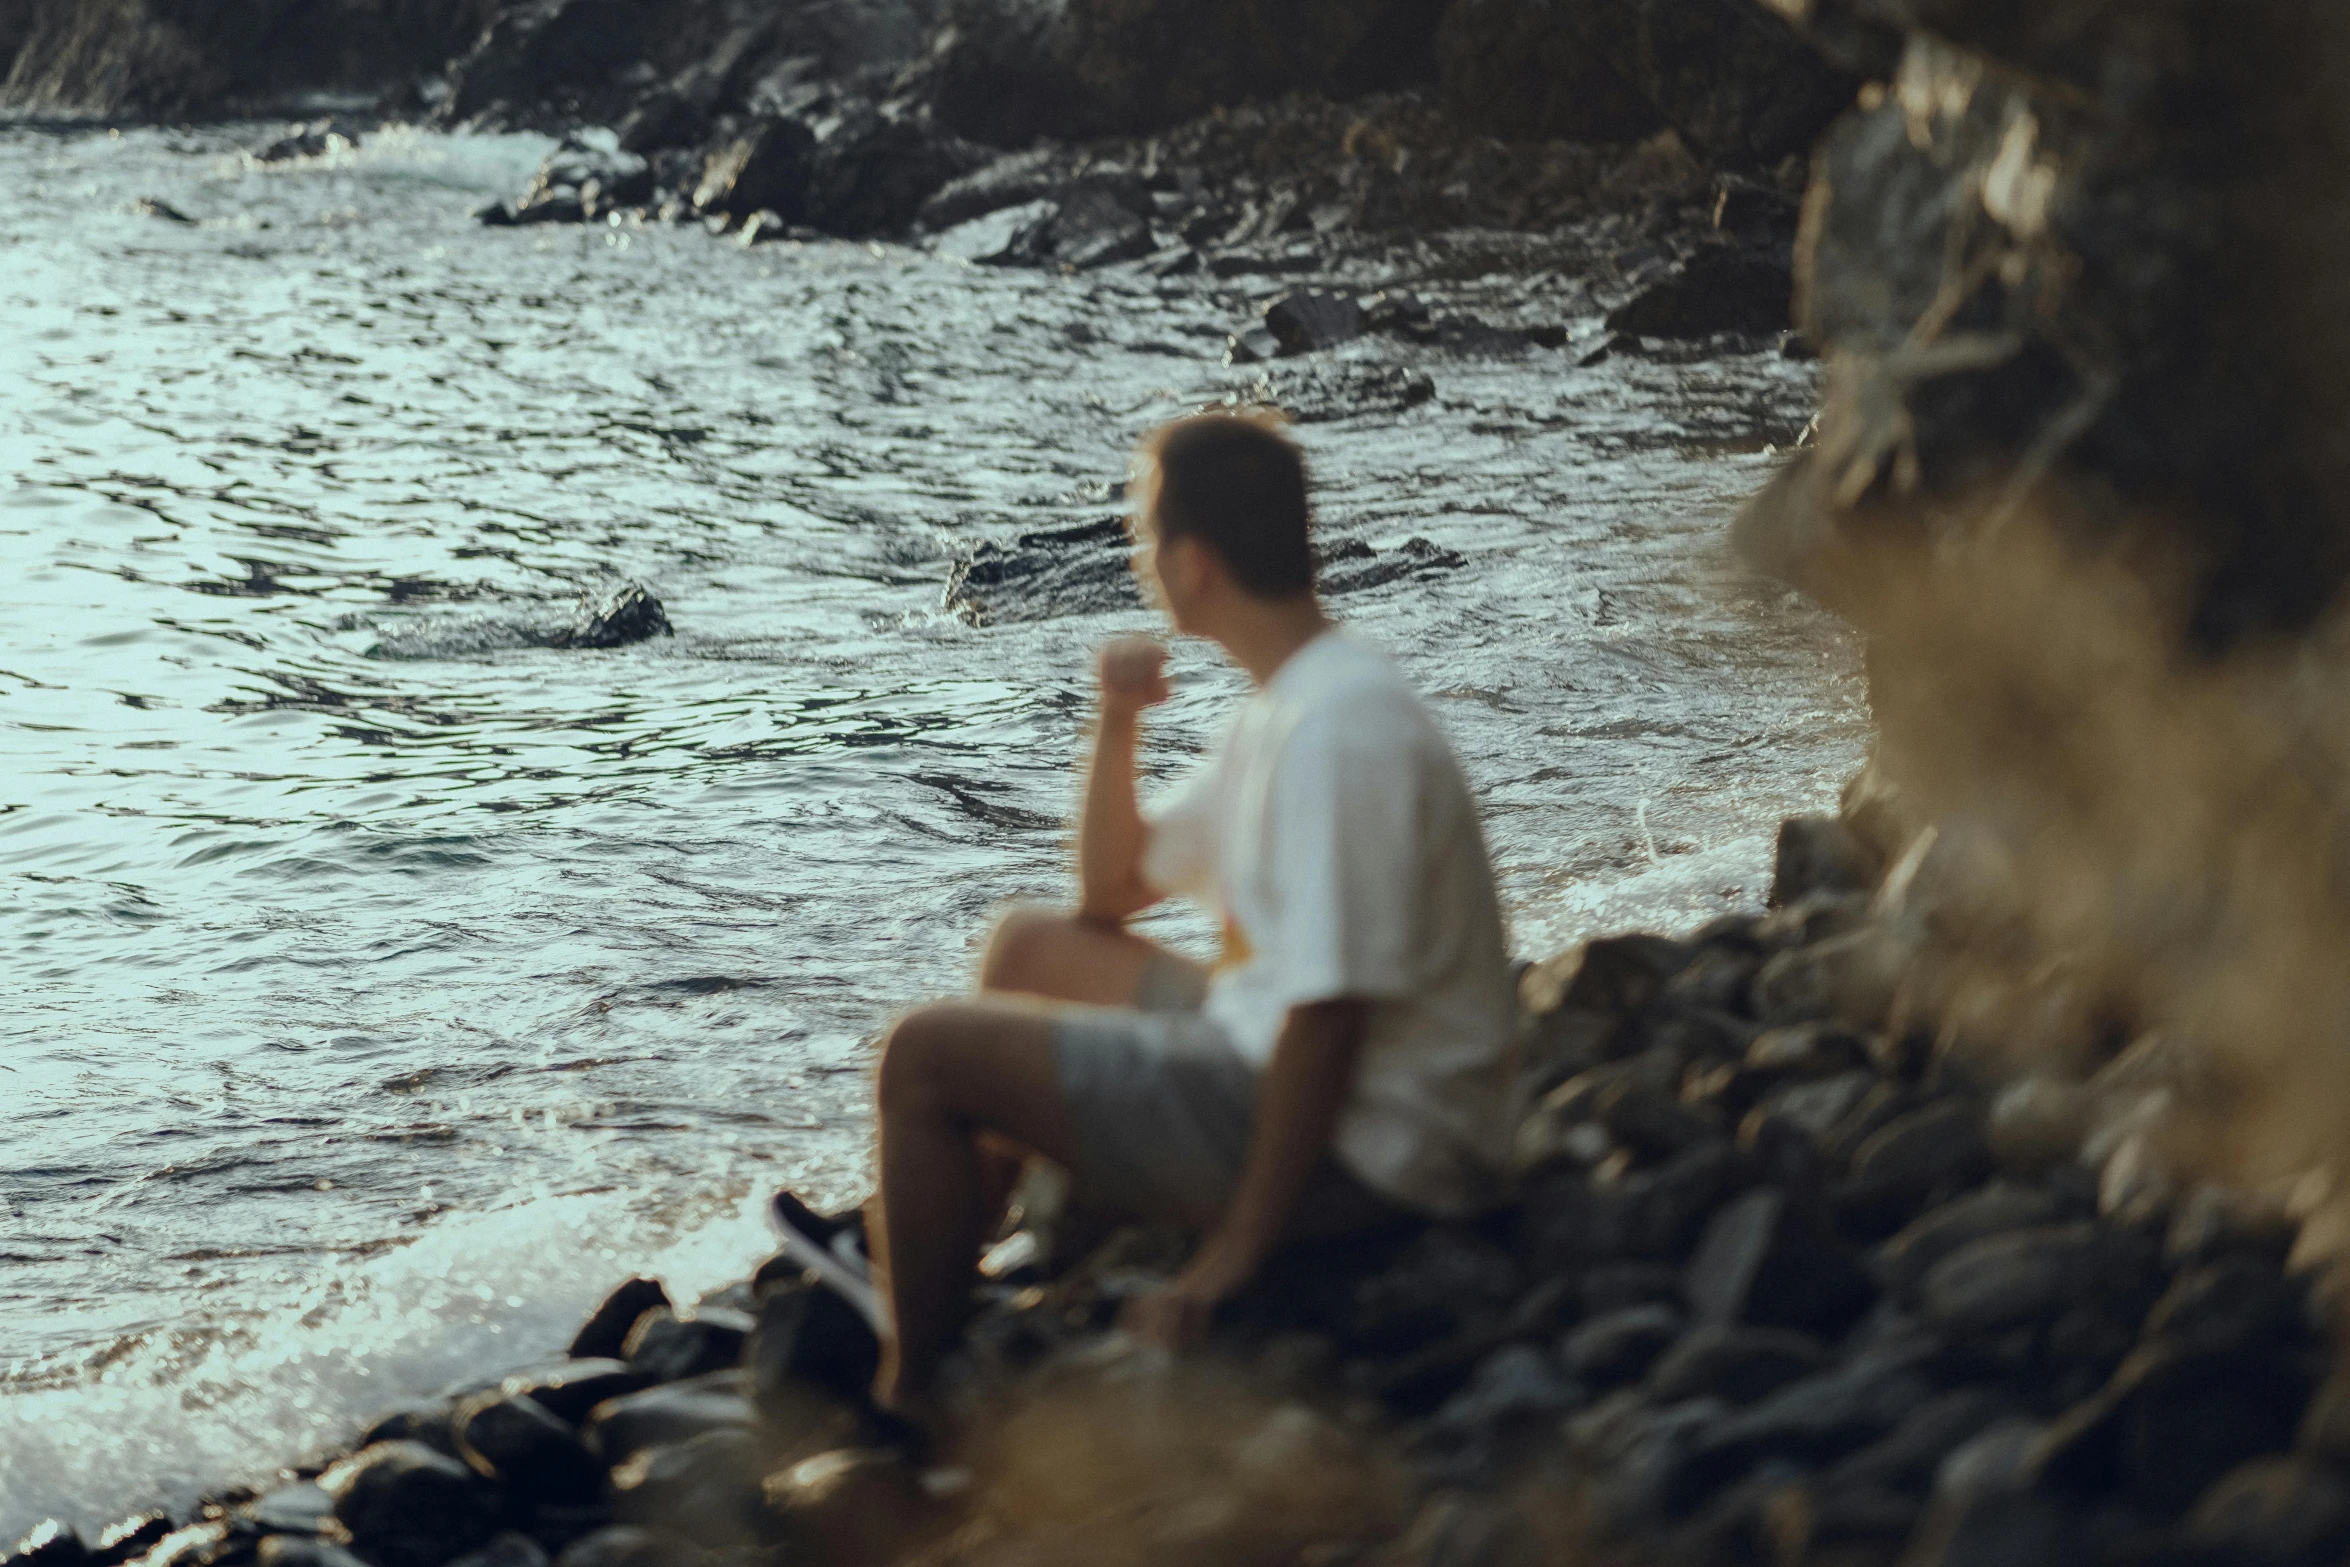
(157, 1418)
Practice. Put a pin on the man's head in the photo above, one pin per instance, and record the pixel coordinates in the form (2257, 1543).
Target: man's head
(1220, 510)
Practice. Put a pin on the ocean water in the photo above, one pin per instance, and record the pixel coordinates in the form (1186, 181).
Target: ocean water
(381, 987)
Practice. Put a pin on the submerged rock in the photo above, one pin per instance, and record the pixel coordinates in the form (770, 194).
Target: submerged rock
(1720, 289)
(615, 618)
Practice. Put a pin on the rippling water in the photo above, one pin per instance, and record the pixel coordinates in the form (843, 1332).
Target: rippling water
(382, 987)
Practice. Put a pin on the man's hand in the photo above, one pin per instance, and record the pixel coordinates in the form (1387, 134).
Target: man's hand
(1133, 674)
(1177, 1317)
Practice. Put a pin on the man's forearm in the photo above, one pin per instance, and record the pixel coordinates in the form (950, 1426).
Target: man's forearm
(1300, 1097)
(1109, 824)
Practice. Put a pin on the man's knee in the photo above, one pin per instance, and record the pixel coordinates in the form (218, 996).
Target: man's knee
(907, 1073)
(1019, 948)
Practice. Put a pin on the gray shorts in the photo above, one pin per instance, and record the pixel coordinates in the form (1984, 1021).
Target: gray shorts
(1163, 1106)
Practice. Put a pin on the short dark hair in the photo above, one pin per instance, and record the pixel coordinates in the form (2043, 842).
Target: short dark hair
(1237, 484)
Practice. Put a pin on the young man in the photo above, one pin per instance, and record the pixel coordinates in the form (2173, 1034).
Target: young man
(1344, 1060)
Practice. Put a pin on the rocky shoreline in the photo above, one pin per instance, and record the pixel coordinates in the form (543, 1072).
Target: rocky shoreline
(1787, 1277)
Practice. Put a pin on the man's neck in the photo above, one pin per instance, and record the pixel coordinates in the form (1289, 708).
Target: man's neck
(1261, 636)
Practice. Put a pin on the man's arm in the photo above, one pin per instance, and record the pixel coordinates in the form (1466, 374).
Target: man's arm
(1299, 1098)
(1111, 833)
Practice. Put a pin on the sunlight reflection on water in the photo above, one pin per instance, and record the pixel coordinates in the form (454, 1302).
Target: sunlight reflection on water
(366, 959)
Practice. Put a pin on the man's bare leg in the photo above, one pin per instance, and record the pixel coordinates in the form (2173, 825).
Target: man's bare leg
(1064, 956)
(950, 1075)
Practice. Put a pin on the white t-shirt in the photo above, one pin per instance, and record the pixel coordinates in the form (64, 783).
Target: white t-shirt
(1333, 834)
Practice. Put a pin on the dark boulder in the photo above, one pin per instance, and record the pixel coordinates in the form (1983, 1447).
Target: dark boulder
(1770, 1261)
(515, 1441)
(1730, 75)
(405, 1505)
(1509, 68)
(1722, 288)
(510, 1549)
(855, 1505)
(2171, 1423)
(1620, 1346)
(764, 169)
(1821, 854)
(871, 170)
(2274, 1512)
(619, 1428)
(607, 1327)
(615, 618)
(301, 1550)
(551, 54)
(48, 1544)
(1904, 1261)
(706, 1489)
(1009, 71)
(1734, 1364)
(808, 1337)
(119, 1542)
(624, 1545)
(1307, 320)
(568, 1389)
(317, 139)
(668, 1346)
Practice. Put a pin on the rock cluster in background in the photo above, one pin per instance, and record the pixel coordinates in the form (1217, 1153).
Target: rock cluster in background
(1788, 1277)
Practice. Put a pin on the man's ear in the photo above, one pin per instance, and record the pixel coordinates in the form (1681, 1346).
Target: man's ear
(1190, 565)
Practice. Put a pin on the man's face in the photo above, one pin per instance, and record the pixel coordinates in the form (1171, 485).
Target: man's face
(1162, 566)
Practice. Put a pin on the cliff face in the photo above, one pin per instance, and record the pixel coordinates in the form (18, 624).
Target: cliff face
(160, 58)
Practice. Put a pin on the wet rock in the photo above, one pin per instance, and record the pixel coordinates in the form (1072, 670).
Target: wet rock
(2274, 1512)
(1733, 1363)
(1849, 977)
(2008, 1279)
(665, 119)
(1813, 1420)
(156, 207)
(1453, 1530)
(1720, 289)
(618, 1428)
(706, 1489)
(1007, 72)
(1509, 68)
(607, 1328)
(1308, 320)
(871, 170)
(1651, 1122)
(807, 1336)
(1008, 236)
(1612, 1286)
(669, 1347)
(1320, 392)
(508, 1550)
(300, 1508)
(1620, 1346)
(1771, 1262)
(208, 1542)
(2000, 1529)
(615, 618)
(765, 169)
(568, 1389)
(1439, 1283)
(548, 53)
(2235, 1305)
(854, 1505)
(1735, 81)
(1937, 1150)
(2215, 1223)
(129, 1537)
(1058, 571)
(48, 1544)
(1642, 1454)
(317, 139)
(1091, 228)
(294, 1550)
(622, 1545)
(515, 1441)
(1904, 1261)
(2171, 1423)
(1914, 1451)
(405, 1505)
(1821, 854)
(2036, 1124)
(1515, 1394)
